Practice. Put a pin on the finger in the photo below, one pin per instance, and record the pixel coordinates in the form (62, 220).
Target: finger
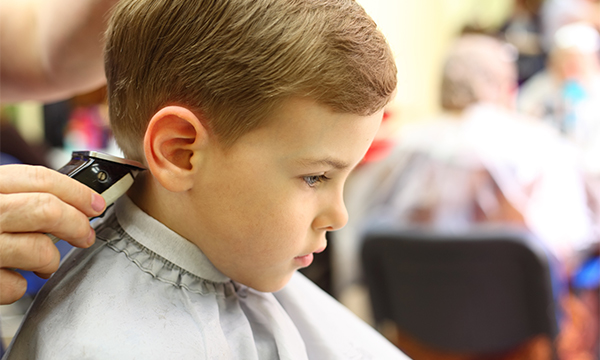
(38, 179)
(12, 286)
(33, 252)
(45, 213)
(43, 275)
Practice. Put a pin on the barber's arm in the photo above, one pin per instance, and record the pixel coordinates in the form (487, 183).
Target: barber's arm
(51, 49)
(34, 201)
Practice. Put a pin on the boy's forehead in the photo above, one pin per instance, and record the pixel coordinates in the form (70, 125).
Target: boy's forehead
(299, 117)
(307, 134)
(299, 109)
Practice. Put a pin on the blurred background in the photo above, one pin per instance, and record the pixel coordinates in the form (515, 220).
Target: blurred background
(496, 121)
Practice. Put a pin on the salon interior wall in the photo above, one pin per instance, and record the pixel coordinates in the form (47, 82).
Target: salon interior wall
(419, 32)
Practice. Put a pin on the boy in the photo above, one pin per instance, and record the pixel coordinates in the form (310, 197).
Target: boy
(249, 115)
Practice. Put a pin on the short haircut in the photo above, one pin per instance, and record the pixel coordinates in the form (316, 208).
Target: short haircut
(233, 61)
(477, 69)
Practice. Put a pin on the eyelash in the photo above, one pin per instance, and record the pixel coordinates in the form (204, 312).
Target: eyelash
(314, 180)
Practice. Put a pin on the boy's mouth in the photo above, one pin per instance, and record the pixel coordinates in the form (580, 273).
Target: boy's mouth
(320, 250)
(306, 260)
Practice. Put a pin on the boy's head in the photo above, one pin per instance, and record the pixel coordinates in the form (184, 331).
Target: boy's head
(232, 62)
(250, 115)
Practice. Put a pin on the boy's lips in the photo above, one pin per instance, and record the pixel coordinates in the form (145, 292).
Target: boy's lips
(320, 250)
(304, 260)
(307, 259)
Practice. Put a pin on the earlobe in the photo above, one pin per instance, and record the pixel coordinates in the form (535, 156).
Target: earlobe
(173, 137)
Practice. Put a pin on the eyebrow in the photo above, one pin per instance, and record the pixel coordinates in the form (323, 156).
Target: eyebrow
(334, 163)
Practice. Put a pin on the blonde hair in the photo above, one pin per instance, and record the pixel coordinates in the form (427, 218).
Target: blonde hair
(233, 61)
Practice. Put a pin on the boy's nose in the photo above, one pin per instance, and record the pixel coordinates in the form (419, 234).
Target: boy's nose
(334, 215)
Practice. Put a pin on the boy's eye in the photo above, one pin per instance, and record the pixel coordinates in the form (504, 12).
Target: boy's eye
(313, 180)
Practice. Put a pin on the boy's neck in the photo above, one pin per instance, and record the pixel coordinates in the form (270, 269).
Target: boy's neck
(169, 208)
(143, 196)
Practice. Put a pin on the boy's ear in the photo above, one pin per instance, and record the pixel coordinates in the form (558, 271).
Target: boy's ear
(173, 137)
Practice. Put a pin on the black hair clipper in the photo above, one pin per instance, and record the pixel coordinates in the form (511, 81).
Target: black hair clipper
(108, 175)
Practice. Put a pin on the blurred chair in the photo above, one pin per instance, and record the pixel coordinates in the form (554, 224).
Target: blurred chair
(478, 295)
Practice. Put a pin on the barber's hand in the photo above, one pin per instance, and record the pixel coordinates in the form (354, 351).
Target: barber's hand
(33, 201)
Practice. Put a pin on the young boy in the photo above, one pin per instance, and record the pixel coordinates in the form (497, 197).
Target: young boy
(249, 115)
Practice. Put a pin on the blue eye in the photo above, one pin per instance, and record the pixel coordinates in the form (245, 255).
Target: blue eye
(313, 180)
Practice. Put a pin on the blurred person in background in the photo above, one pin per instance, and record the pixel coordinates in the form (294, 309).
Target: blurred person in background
(480, 162)
(555, 14)
(567, 94)
(523, 30)
(51, 50)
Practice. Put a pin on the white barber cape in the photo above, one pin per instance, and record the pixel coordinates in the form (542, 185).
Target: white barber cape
(144, 292)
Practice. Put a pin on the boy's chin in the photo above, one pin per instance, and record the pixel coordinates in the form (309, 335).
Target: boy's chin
(270, 285)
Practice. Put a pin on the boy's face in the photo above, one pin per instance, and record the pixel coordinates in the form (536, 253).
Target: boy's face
(260, 209)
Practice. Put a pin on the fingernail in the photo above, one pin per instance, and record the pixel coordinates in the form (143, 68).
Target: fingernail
(97, 202)
(91, 238)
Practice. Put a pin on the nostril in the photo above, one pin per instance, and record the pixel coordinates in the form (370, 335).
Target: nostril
(333, 215)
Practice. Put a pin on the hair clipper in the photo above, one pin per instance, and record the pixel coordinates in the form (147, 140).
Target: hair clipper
(108, 175)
